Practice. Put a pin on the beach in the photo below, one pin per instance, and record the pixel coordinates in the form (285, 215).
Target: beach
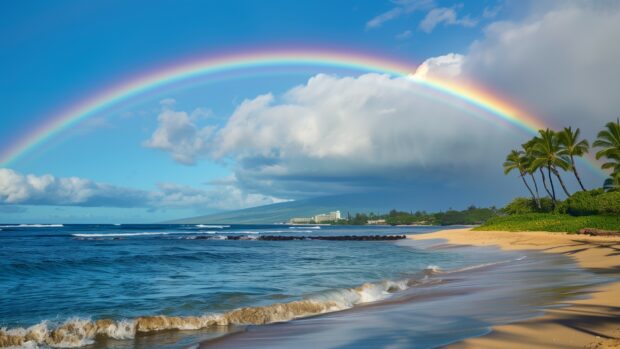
(593, 322)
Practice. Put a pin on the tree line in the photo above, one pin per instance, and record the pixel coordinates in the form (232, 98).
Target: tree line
(550, 153)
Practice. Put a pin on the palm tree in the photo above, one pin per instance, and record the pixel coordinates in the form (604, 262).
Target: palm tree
(571, 146)
(517, 161)
(528, 156)
(609, 140)
(546, 154)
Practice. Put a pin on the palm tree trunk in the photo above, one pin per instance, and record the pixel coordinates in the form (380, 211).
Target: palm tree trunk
(557, 174)
(542, 174)
(536, 187)
(552, 186)
(577, 174)
(528, 188)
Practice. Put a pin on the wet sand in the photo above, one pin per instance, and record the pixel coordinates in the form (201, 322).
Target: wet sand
(586, 323)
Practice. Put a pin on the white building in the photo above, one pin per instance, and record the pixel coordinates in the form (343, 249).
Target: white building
(318, 219)
(327, 217)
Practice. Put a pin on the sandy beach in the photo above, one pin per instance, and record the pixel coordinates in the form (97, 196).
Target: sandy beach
(590, 323)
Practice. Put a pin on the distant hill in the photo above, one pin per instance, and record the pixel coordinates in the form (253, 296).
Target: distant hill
(280, 212)
(378, 202)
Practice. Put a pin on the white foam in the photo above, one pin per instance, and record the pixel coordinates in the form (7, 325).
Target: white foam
(119, 234)
(212, 226)
(145, 233)
(124, 329)
(33, 226)
(316, 227)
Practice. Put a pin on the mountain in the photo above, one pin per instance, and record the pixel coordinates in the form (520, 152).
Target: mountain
(377, 202)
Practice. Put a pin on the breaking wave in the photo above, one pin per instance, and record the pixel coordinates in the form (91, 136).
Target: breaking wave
(79, 332)
(207, 226)
(316, 227)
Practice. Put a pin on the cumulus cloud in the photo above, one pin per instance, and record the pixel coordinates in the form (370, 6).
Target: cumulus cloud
(444, 15)
(178, 133)
(559, 64)
(20, 189)
(402, 7)
(16, 188)
(334, 134)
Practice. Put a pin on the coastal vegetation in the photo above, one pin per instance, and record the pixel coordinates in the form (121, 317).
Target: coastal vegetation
(546, 158)
(471, 216)
(550, 222)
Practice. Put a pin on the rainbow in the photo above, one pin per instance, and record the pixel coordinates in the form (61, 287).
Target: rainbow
(476, 97)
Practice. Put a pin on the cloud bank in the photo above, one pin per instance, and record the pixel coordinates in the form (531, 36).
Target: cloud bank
(340, 134)
(20, 189)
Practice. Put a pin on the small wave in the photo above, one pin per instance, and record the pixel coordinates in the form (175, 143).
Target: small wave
(146, 233)
(207, 226)
(316, 227)
(118, 234)
(33, 226)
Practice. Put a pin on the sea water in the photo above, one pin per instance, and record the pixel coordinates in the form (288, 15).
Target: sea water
(173, 286)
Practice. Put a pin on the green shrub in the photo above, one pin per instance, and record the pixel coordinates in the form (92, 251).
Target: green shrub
(593, 202)
(550, 222)
(527, 205)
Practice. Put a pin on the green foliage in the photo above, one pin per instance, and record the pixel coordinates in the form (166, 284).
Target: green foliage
(472, 215)
(612, 183)
(359, 219)
(609, 141)
(550, 222)
(593, 202)
(527, 205)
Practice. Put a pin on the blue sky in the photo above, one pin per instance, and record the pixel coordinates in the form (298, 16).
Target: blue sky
(178, 152)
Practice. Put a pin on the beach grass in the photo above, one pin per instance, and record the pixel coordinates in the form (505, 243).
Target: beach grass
(550, 222)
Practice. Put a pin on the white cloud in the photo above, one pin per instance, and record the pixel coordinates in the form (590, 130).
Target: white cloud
(444, 15)
(402, 7)
(560, 65)
(446, 66)
(20, 189)
(333, 130)
(224, 197)
(178, 134)
(16, 188)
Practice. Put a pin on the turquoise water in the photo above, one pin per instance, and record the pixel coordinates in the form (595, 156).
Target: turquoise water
(57, 281)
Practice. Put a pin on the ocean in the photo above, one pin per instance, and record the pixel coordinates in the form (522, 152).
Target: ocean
(221, 286)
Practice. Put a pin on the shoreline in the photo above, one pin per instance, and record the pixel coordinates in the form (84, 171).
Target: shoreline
(592, 323)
